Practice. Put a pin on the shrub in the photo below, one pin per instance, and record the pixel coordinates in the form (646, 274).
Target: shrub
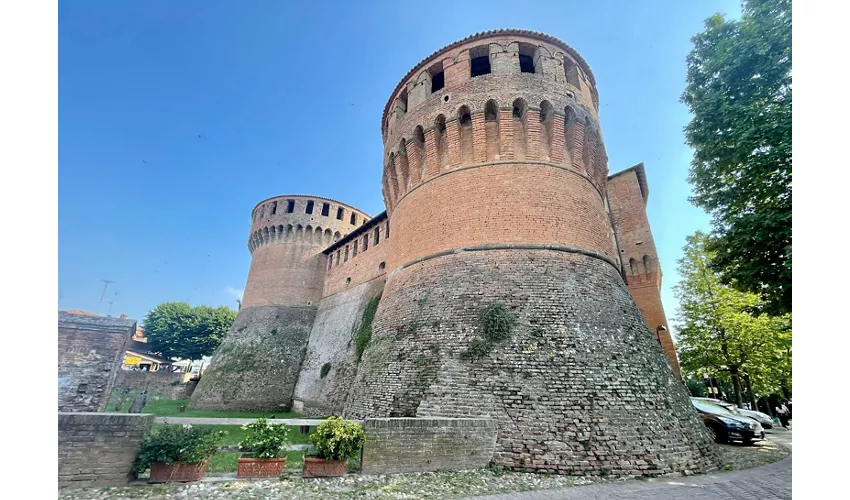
(326, 368)
(364, 333)
(175, 443)
(264, 440)
(496, 324)
(337, 439)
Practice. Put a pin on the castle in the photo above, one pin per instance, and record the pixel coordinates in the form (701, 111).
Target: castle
(499, 211)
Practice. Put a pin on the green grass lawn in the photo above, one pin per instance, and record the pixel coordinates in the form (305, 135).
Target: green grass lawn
(169, 408)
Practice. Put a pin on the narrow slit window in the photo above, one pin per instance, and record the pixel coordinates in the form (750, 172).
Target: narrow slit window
(339, 213)
(526, 64)
(353, 219)
(274, 207)
(290, 206)
(345, 254)
(330, 262)
(366, 242)
(355, 248)
(377, 235)
(337, 257)
(326, 209)
(309, 207)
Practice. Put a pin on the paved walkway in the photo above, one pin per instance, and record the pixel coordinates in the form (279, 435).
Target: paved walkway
(770, 482)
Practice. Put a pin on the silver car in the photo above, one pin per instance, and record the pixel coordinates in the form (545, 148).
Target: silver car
(762, 418)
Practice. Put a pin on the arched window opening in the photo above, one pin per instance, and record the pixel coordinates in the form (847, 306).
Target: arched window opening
(440, 141)
(403, 167)
(491, 129)
(646, 265)
(569, 133)
(547, 113)
(382, 266)
(417, 159)
(632, 267)
(479, 61)
(519, 114)
(465, 119)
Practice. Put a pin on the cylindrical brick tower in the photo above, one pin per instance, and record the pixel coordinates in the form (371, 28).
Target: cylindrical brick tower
(494, 179)
(256, 366)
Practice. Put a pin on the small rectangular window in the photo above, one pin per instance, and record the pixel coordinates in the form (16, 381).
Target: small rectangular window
(377, 235)
(339, 213)
(355, 248)
(309, 207)
(479, 61)
(274, 207)
(337, 257)
(526, 64)
(387, 232)
(366, 242)
(326, 209)
(345, 254)
(438, 81)
(290, 206)
(353, 219)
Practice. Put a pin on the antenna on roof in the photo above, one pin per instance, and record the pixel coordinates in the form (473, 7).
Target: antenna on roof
(110, 308)
(107, 282)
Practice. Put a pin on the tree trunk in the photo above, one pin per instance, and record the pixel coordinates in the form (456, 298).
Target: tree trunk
(736, 383)
(767, 405)
(752, 397)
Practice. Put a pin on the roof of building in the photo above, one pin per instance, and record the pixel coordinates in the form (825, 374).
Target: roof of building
(487, 34)
(94, 322)
(640, 172)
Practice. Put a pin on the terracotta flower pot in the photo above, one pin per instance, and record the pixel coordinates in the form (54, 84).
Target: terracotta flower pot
(260, 467)
(317, 467)
(178, 471)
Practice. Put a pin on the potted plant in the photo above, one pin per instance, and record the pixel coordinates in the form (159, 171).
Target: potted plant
(263, 444)
(335, 440)
(177, 453)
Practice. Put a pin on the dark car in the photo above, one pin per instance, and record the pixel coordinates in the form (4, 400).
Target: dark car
(764, 419)
(726, 426)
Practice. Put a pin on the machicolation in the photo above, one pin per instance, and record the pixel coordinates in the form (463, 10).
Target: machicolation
(520, 281)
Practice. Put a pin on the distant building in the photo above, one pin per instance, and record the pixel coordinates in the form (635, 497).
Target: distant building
(91, 349)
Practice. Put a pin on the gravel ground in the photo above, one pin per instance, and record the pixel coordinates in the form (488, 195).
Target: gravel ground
(737, 457)
(429, 485)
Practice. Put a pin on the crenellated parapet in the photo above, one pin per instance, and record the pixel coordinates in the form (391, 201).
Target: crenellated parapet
(300, 219)
(506, 96)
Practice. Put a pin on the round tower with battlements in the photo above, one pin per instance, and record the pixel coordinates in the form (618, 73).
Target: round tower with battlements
(494, 179)
(257, 365)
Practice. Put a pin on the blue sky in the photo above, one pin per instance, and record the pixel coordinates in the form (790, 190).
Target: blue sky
(176, 118)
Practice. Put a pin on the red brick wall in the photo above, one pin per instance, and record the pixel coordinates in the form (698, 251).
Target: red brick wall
(627, 201)
(287, 266)
(360, 268)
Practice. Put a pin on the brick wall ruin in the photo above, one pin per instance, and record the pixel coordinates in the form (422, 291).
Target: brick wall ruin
(98, 449)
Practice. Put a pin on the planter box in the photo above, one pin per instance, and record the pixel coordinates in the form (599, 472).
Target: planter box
(178, 471)
(317, 467)
(260, 467)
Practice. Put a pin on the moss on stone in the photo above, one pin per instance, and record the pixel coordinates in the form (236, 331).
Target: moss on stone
(364, 334)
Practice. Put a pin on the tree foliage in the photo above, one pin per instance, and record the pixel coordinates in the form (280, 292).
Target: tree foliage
(739, 93)
(722, 330)
(178, 330)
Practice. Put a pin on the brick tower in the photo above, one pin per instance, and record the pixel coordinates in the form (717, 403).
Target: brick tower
(495, 180)
(257, 365)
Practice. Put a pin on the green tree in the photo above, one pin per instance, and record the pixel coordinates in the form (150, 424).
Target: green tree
(739, 93)
(722, 330)
(177, 330)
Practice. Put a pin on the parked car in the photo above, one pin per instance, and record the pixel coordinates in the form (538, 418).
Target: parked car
(763, 419)
(726, 426)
